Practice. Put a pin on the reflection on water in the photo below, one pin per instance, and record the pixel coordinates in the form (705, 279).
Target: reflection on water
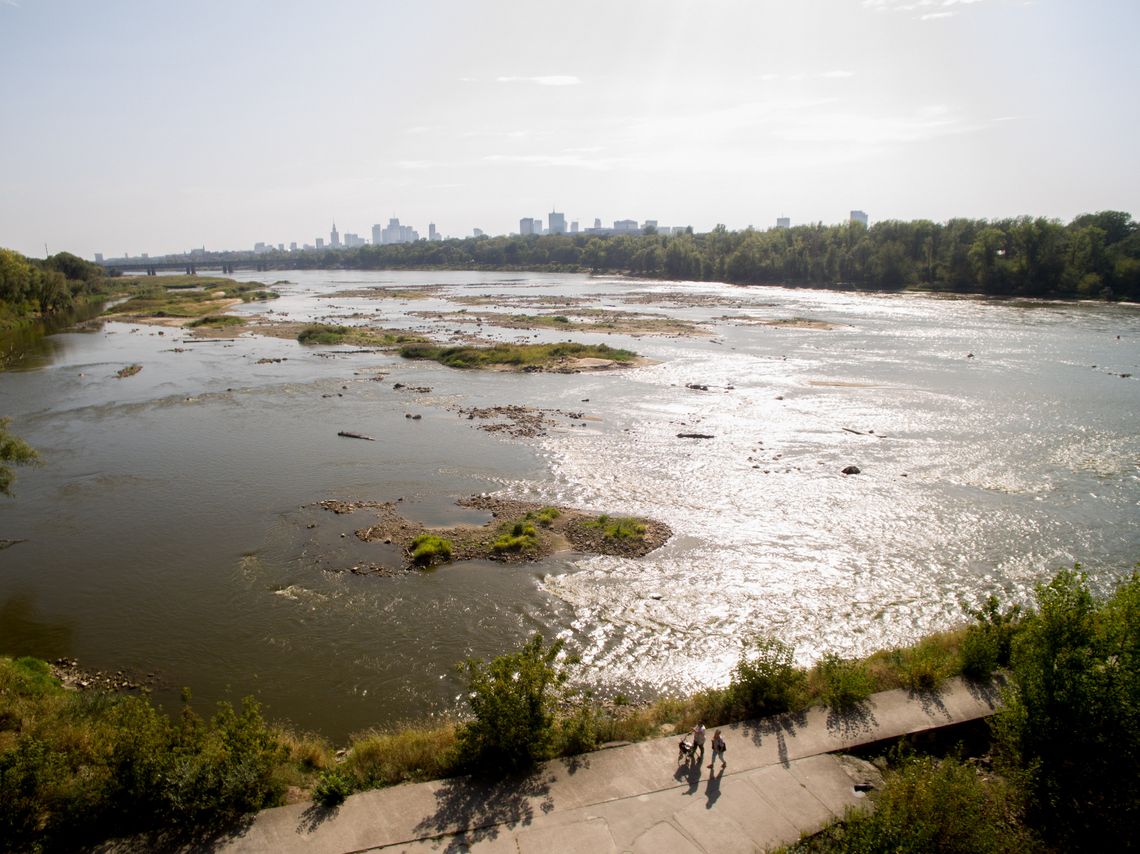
(174, 526)
(31, 346)
(23, 631)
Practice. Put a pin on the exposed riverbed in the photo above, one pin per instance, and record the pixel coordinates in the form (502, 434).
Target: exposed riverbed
(174, 527)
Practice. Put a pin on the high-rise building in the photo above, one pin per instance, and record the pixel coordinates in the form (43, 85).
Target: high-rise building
(432, 233)
(597, 222)
(859, 216)
(625, 226)
(293, 246)
(320, 243)
(477, 232)
(334, 238)
(396, 233)
(557, 222)
(353, 241)
(783, 222)
(528, 225)
(98, 257)
(574, 226)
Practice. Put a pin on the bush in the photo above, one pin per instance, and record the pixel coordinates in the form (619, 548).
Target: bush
(1071, 721)
(427, 548)
(844, 683)
(618, 529)
(216, 320)
(514, 699)
(519, 537)
(578, 731)
(927, 805)
(766, 681)
(924, 666)
(332, 789)
(322, 333)
(545, 516)
(989, 638)
(76, 768)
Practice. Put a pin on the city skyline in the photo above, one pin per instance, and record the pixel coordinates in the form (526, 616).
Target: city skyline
(123, 139)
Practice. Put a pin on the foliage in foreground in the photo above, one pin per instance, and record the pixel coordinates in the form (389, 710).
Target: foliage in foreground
(928, 805)
(1070, 725)
(76, 768)
(514, 700)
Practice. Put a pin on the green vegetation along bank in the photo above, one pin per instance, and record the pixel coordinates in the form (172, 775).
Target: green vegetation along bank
(1096, 255)
(79, 767)
(32, 288)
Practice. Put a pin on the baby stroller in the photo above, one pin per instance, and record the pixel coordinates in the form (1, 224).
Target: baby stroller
(685, 748)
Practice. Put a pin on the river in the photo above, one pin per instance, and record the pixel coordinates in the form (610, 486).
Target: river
(171, 528)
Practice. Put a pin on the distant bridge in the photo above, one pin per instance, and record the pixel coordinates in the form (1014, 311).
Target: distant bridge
(190, 266)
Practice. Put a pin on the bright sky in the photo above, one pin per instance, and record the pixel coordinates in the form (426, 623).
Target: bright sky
(141, 126)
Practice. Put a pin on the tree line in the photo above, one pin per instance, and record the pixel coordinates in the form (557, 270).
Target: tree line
(32, 287)
(1095, 256)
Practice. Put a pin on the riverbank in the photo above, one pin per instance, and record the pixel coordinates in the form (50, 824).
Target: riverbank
(239, 764)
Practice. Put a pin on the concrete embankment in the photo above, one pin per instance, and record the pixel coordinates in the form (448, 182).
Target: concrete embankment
(782, 780)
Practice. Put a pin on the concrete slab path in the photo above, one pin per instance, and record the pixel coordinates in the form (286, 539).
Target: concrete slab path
(781, 781)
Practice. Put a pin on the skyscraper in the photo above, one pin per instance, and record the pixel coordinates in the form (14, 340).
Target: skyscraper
(557, 222)
(334, 238)
(783, 222)
(859, 216)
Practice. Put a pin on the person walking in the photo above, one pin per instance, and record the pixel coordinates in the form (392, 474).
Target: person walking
(718, 747)
(699, 740)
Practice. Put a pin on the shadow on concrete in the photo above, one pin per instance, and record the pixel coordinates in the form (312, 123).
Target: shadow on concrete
(200, 840)
(852, 722)
(473, 809)
(931, 702)
(315, 816)
(712, 790)
(987, 691)
(574, 764)
(780, 727)
(689, 772)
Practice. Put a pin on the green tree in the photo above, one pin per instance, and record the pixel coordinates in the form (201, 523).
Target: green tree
(513, 699)
(1071, 721)
(766, 680)
(14, 451)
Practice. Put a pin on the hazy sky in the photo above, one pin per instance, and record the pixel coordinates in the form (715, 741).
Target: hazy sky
(157, 126)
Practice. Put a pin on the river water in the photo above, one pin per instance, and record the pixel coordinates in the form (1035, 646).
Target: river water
(170, 529)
